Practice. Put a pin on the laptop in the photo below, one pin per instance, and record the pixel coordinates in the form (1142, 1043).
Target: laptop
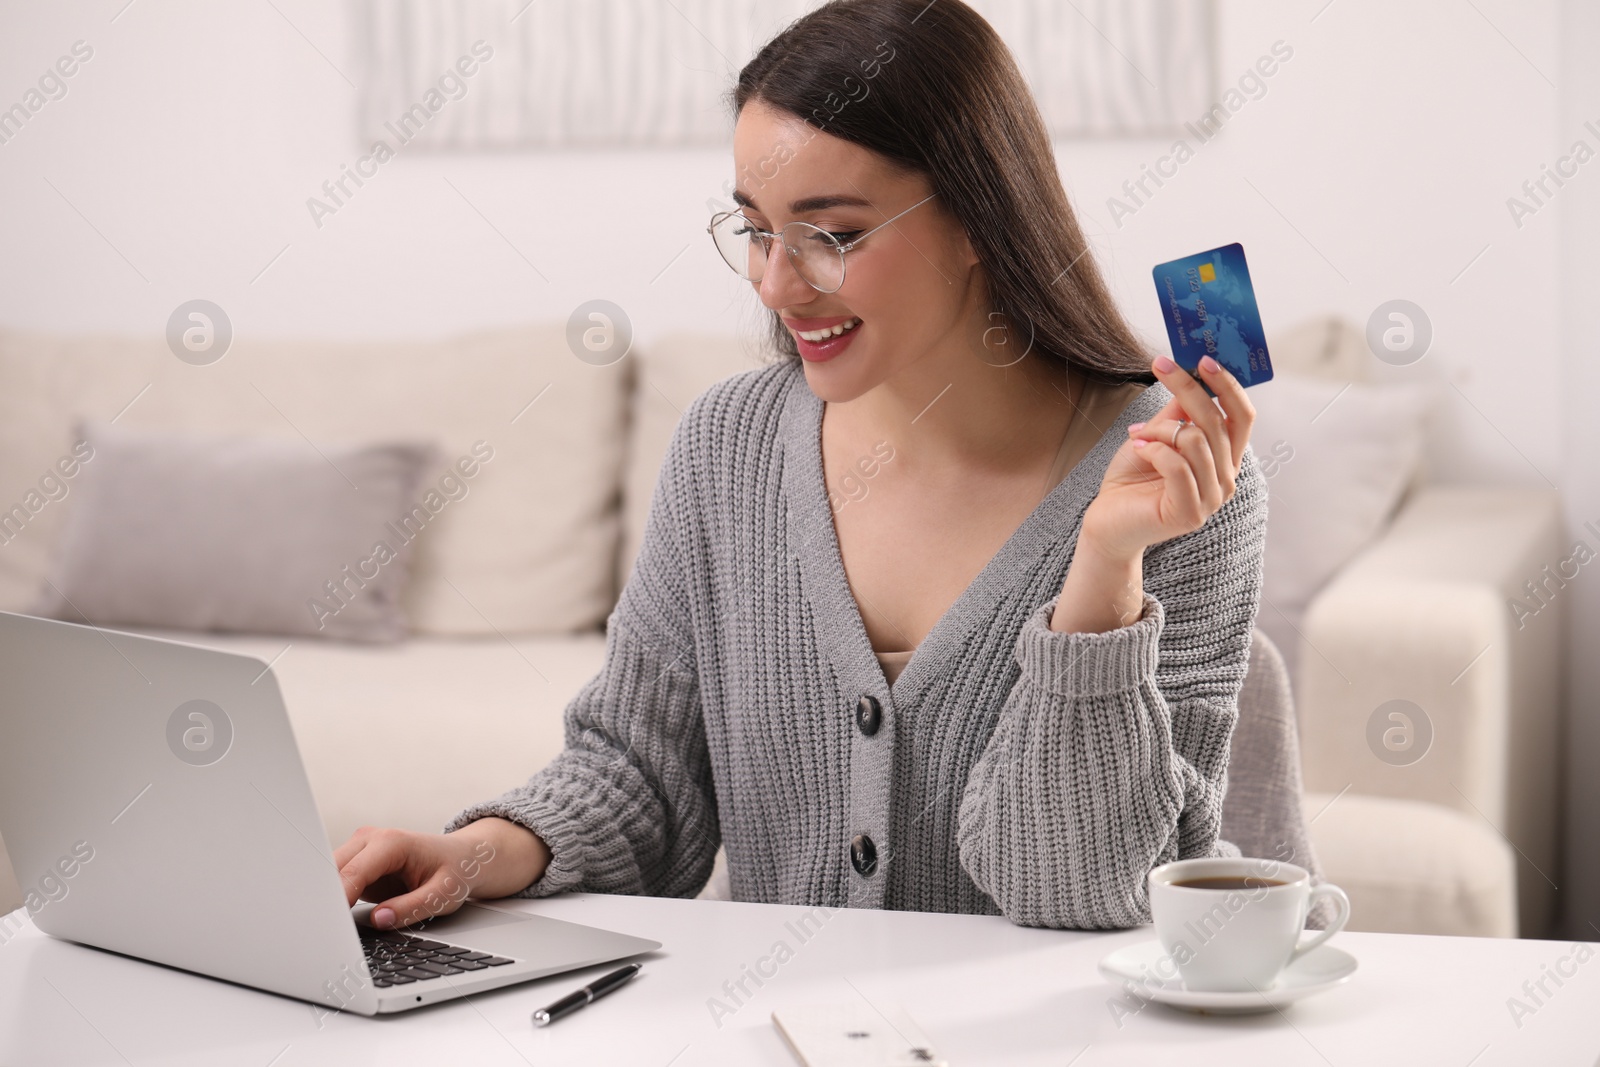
(154, 804)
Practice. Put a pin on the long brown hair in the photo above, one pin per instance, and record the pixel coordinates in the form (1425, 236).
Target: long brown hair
(934, 90)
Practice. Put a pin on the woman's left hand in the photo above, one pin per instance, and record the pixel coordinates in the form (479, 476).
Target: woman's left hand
(1153, 491)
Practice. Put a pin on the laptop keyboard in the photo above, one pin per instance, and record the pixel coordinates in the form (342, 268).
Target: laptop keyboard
(395, 958)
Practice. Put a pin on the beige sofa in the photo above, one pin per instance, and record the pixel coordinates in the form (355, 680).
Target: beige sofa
(511, 591)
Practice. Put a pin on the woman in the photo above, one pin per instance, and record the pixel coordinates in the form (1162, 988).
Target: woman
(965, 467)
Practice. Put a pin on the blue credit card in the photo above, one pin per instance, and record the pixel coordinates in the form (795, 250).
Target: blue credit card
(1210, 309)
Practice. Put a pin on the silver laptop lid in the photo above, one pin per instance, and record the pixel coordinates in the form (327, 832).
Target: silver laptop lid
(154, 803)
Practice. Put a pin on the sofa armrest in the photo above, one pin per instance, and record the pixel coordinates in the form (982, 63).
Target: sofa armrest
(1428, 614)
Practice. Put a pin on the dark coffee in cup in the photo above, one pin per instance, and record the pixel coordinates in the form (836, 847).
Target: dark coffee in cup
(1249, 881)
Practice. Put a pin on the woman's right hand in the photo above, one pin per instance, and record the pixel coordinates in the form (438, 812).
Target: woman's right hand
(413, 876)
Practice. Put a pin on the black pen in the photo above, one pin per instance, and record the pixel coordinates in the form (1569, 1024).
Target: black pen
(587, 995)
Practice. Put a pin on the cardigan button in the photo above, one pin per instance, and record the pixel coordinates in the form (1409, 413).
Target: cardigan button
(869, 714)
(863, 854)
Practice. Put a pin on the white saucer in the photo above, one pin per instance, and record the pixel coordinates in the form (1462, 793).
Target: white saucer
(1322, 968)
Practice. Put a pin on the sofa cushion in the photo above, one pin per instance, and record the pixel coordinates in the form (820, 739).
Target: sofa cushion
(531, 545)
(1413, 867)
(252, 534)
(1338, 459)
(667, 376)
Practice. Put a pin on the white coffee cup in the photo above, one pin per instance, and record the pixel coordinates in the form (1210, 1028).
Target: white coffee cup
(1237, 939)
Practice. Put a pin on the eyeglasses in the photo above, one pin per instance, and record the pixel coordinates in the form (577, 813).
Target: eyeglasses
(816, 254)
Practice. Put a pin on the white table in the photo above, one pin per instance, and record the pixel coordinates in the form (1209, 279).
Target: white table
(984, 991)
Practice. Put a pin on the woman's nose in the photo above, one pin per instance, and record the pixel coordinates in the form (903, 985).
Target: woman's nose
(781, 285)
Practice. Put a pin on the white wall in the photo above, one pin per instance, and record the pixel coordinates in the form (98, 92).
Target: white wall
(193, 138)
(1376, 165)
(195, 135)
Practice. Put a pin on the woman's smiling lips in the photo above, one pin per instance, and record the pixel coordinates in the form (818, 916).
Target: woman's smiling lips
(825, 349)
(828, 347)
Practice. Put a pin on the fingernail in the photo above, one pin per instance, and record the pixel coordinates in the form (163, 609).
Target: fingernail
(1139, 442)
(1165, 365)
(1209, 364)
(383, 918)
(1135, 427)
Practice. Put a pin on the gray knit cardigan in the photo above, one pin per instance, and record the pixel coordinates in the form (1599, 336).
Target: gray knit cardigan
(1010, 770)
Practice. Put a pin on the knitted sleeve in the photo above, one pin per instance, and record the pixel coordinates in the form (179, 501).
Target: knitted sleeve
(628, 806)
(1110, 754)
